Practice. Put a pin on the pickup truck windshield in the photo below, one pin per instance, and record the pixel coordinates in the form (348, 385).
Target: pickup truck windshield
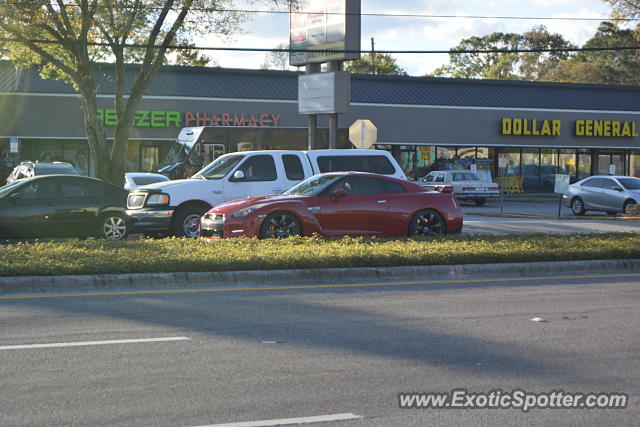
(219, 167)
(312, 186)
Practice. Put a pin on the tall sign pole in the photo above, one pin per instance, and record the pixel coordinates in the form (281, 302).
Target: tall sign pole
(324, 31)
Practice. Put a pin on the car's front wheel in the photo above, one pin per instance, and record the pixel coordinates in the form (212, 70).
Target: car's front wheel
(427, 222)
(186, 222)
(113, 227)
(280, 225)
(629, 207)
(577, 206)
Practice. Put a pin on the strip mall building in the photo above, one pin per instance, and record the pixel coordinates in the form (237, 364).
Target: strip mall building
(427, 123)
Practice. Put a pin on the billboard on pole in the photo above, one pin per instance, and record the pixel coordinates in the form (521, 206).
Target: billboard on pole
(323, 31)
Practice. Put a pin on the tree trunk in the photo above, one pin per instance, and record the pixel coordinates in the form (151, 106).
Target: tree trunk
(96, 138)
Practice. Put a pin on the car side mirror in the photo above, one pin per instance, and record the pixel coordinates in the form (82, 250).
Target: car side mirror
(340, 192)
(617, 189)
(238, 175)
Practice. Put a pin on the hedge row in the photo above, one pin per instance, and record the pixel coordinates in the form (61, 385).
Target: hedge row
(176, 255)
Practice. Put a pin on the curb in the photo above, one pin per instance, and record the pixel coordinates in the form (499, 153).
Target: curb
(253, 278)
(572, 217)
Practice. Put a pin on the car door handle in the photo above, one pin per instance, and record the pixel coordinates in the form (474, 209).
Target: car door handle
(277, 190)
(313, 208)
(382, 201)
(217, 191)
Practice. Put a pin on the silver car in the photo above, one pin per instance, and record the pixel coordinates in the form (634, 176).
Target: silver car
(610, 194)
(466, 185)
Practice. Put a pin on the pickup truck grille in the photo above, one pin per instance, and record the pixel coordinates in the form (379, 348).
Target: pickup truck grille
(135, 201)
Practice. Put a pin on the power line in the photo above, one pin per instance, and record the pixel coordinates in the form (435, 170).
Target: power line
(369, 14)
(254, 49)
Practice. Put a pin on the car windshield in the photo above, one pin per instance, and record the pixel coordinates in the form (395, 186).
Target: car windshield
(630, 183)
(8, 188)
(219, 167)
(313, 186)
(465, 176)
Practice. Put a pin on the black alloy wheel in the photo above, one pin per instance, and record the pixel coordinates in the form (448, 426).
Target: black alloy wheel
(577, 206)
(280, 225)
(427, 222)
(113, 227)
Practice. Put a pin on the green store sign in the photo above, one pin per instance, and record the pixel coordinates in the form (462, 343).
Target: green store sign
(143, 118)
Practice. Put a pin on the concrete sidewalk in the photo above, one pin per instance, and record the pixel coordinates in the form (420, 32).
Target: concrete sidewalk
(29, 285)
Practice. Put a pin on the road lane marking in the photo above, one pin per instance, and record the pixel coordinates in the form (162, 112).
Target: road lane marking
(90, 343)
(291, 421)
(336, 286)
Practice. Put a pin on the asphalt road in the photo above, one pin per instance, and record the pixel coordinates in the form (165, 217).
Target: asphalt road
(261, 355)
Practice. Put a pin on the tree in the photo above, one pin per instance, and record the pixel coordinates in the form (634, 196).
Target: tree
(376, 63)
(66, 38)
(506, 65)
(605, 66)
(277, 59)
(190, 56)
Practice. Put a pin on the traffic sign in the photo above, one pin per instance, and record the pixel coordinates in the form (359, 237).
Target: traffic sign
(363, 133)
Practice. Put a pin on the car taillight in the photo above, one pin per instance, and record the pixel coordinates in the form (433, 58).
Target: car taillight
(468, 188)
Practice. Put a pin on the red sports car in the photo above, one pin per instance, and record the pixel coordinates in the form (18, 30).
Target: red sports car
(338, 204)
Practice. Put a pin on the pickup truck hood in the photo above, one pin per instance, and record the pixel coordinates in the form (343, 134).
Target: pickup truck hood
(249, 201)
(175, 184)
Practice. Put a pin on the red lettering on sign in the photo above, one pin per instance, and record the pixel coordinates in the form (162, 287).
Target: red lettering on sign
(238, 121)
(276, 119)
(252, 122)
(263, 118)
(225, 119)
(201, 120)
(188, 118)
(214, 120)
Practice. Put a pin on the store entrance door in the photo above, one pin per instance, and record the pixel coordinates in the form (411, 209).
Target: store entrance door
(212, 152)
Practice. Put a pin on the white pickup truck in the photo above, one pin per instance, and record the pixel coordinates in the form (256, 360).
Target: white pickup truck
(175, 207)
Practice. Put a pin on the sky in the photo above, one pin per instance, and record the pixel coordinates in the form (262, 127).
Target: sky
(420, 33)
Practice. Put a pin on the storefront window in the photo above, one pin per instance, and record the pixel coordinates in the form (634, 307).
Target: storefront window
(611, 163)
(584, 164)
(567, 163)
(77, 154)
(149, 158)
(634, 164)
(530, 170)
(513, 160)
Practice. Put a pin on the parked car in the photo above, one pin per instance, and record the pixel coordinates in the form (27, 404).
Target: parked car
(466, 185)
(336, 204)
(31, 169)
(540, 177)
(175, 207)
(138, 179)
(63, 206)
(611, 194)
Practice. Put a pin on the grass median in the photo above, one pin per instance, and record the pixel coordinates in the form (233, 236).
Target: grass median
(183, 255)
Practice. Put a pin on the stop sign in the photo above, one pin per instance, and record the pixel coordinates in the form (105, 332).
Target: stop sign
(363, 133)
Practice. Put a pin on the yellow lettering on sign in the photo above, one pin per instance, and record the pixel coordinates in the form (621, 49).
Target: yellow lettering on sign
(598, 128)
(556, 127)
(579, 127)
(534, 128)
(626, 130)
(517, 126)
(607, 128)
(633, 129)
(506, 126)
(588, 127)
(615, 128)
(526, 130)
(546, 129)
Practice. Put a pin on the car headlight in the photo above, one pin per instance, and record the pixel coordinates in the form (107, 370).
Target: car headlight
(247, 211)
(158, 199)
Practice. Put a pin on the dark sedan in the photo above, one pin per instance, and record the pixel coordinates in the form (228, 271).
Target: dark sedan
(63, 206)
(337, 204)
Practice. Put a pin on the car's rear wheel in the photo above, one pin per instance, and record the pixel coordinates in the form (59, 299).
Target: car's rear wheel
(280, 225)
(427, 222)
(186, 222)
(480, 201)
(629, 207)
(577, 206)
(113, 227)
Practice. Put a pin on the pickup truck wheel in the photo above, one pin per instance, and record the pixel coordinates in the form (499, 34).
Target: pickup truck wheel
(186, 222)
(427, 222)
(280, 225)
(113, 227)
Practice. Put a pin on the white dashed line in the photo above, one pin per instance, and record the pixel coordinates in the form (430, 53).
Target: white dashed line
(291, 421)
(90, 343)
